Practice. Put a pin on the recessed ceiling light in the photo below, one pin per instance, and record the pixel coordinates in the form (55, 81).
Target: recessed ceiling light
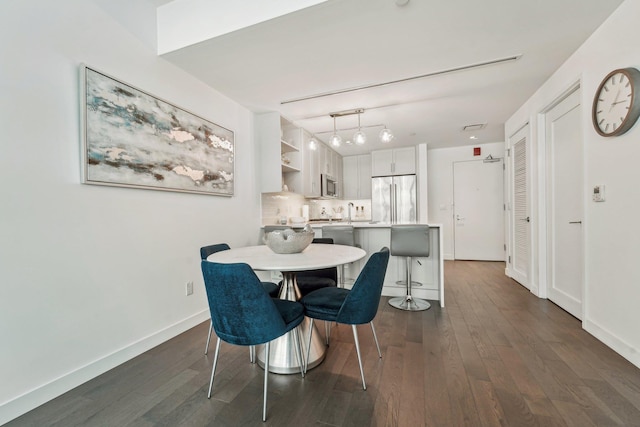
(473, 137)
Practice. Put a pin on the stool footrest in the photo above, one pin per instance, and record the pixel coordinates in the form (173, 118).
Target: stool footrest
(404, 283)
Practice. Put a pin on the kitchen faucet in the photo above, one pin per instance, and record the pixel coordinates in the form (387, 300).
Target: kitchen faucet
(349, 206)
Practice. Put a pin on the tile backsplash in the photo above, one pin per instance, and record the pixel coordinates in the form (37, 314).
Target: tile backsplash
(339, 208)
(281, 206)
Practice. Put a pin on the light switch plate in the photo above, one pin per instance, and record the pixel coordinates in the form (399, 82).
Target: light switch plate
(598, 193)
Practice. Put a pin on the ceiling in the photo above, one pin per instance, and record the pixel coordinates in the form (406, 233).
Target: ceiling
(345, 44)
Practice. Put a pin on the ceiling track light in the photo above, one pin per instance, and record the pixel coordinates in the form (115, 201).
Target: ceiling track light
(385, 135)
(347, 112)
(313, 144)
(335, 139)
(406, 79)
(359, 137)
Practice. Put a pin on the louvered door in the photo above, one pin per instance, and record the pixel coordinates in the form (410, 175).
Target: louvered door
(520, 215)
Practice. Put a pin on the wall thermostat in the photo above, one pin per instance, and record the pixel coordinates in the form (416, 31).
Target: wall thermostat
(598, 193)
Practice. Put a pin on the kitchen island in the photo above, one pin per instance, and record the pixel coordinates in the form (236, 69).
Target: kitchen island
(427, 270)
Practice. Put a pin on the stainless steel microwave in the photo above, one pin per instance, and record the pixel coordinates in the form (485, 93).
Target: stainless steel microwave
(328, 186)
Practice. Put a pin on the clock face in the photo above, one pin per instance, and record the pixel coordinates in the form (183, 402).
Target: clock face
(616, 107)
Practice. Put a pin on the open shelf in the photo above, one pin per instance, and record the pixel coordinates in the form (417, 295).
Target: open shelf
(285, 147)
(287, 168)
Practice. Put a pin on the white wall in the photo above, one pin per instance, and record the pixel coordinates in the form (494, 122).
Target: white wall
(91, 276)
(612, 279)
(440, 171)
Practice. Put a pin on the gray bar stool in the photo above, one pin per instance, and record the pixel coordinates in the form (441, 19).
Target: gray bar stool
(341, 235)
(409, 241)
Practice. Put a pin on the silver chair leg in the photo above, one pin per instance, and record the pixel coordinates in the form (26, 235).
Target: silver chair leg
(266, 380)
(206, 349)
(375, 337)
(252, 353)
(355, 338)
(306, 365)
(327, 331)
(213, 369)
(298, 349)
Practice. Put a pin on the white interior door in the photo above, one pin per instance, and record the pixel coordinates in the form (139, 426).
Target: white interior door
(478, 210)
(565, 197)
(519, 212)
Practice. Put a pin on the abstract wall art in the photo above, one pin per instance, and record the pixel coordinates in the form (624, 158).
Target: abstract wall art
(134, 139)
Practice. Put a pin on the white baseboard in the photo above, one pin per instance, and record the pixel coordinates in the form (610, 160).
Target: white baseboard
(46, 392)
(616, 344)
(448, 257)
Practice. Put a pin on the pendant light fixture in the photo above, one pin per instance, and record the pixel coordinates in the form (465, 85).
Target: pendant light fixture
(359, 137)
(385, 135)
(335, 138)
(313, 144)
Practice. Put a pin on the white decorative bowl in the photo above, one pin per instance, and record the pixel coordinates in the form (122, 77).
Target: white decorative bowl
(288, 241)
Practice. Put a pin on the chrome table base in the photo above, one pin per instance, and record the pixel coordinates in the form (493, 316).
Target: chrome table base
(282, 357)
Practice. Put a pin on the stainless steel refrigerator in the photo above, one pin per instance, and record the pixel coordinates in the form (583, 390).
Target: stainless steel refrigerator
(393, 199)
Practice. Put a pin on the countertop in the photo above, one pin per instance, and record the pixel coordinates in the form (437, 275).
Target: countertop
(356, 224)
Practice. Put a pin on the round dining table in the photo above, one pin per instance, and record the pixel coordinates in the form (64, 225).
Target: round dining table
(283, 359)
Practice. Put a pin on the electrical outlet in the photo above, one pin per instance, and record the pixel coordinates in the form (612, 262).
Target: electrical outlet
(189, 288)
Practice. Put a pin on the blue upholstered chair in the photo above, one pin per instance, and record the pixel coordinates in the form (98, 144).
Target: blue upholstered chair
(311, 280)
(351, 307)
(242, 313)
(271, 288)
(341, 235)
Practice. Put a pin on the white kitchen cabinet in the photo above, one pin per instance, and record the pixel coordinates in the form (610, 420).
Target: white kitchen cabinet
(356, 172)
(279, 143)
(311, 167)
(322, 160)
(338, 171)
(398, 161)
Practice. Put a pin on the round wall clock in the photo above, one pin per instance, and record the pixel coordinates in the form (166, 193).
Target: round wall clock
(616, 105)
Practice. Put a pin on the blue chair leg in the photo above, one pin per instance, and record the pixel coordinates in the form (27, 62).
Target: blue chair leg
(206, 349)
(375, 337)
(213, 369)
(355, 338)
(266, 380)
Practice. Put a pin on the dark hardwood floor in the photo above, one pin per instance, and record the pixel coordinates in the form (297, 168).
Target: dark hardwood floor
(495, 355)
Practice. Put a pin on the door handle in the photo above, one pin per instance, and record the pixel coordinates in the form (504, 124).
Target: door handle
(575, 222)
(526, 219)
(459, 218)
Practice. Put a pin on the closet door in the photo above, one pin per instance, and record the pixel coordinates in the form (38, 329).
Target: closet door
(520, 216)
(565, 199)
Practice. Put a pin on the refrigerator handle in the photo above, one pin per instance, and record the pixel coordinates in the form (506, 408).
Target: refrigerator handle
(395, 203)
(392, 199)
